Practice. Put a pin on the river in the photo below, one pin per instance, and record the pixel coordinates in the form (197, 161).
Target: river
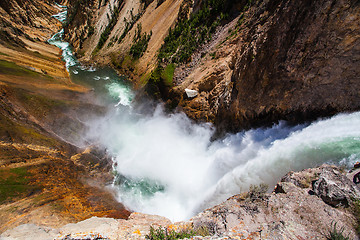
(165, 164)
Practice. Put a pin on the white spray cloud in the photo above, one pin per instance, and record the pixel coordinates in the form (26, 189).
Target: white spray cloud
(173, 169)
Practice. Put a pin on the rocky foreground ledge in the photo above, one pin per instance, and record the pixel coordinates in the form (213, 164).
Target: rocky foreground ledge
(304, 205)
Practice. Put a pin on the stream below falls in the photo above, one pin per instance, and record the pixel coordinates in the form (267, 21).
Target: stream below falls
(167, 165)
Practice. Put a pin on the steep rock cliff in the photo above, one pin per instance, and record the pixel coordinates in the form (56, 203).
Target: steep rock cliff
(278, 60)
(267, 61)
(20, 18)
(102, 32)
(295, 61)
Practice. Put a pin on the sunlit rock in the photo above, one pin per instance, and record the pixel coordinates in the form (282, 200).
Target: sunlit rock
(191, 93)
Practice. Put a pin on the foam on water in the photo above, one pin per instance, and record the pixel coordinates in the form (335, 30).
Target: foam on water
(65, 47)
(120, 92)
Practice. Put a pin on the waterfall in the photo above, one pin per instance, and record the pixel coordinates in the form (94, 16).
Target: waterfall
(167, 164)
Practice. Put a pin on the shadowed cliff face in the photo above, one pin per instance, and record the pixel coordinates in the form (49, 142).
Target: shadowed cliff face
(295, 60)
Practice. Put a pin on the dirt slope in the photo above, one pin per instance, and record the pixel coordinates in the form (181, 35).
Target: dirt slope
(44, 179)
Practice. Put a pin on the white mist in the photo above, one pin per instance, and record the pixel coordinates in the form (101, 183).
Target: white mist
(174, 152)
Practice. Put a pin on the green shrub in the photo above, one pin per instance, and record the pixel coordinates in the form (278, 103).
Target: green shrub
(129, 25)
(14, 183)
(257, 192)
(159, 2)
(146, 2)
(190, 33)
(91, 31)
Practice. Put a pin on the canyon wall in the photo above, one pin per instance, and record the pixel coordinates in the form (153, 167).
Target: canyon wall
(46, 177)
(102, 32)
(295, 61)
(278, 60)
(265, 62)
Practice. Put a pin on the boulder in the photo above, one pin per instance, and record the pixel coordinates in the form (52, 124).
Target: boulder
(335, 188)
(191, 93)
(29, 232)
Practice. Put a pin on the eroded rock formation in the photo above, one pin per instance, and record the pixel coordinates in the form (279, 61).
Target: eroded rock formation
(295, 61)
(45, 176)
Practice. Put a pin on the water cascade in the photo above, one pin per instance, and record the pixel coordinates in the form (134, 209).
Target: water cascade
(168, 165)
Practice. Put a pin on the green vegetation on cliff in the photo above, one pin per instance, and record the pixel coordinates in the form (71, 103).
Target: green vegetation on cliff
(189, 33)
(106, 33)
(129, 24)
(10, 68)
(14, 183)
(184, 39)
(140, 42)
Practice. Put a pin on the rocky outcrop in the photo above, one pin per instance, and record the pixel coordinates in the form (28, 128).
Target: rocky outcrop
(27, 19)
(278, 60)
(136, 227)
(294, 61)
(209, 72)
(270, 61)
(335, 189)
(294, 210)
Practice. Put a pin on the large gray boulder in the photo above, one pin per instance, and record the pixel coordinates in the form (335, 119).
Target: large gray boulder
(334, 188)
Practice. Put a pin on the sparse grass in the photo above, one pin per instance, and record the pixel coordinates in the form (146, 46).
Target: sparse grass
(14, 183)
(168, 74)
(23, 133)
(159, 81)
(125, 63)
(170, 234)
(336, 234)
(39, 55)
(257, 192)
(10, 68)
(40, 105)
